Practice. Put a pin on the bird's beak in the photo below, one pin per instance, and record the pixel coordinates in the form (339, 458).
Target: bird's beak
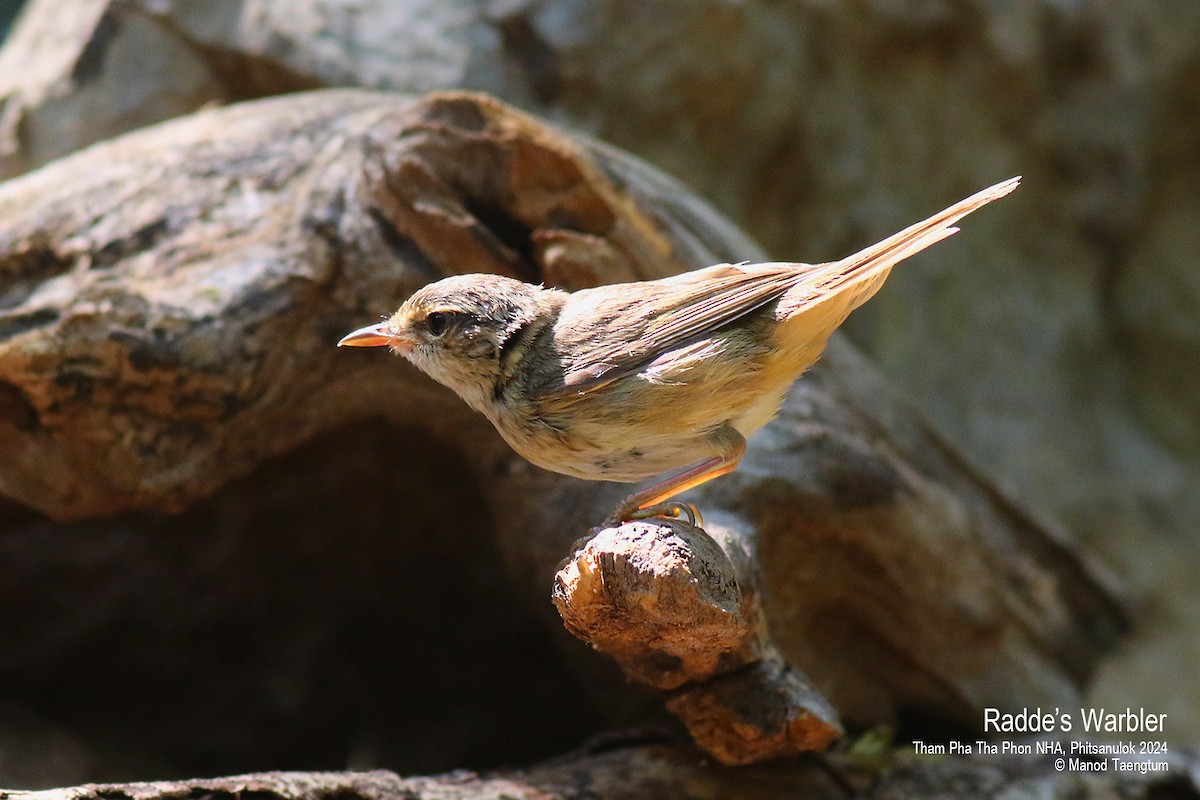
(376, 336)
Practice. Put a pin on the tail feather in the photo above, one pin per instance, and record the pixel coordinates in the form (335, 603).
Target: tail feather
(897, 247)
(831, 291)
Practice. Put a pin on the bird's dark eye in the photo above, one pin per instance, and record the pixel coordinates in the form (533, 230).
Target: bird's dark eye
(437, 322)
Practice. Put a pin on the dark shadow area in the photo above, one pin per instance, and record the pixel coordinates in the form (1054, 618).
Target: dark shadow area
(8, 12)
(342, 607)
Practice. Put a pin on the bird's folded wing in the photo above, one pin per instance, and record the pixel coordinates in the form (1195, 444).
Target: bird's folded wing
(637, 323)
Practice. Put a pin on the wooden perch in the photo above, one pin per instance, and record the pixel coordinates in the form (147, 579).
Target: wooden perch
(662, 599)
(665, 601)
(169, 303)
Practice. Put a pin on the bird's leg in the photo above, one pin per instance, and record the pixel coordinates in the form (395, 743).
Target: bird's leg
(655, 501)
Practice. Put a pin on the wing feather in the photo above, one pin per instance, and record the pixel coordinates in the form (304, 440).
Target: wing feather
(642, 322)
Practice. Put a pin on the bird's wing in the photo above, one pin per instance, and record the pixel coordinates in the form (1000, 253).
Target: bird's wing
(629, 326)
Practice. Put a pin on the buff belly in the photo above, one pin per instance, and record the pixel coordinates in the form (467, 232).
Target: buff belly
(630, 436)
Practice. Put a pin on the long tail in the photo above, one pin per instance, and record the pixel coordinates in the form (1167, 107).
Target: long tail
(828, 294)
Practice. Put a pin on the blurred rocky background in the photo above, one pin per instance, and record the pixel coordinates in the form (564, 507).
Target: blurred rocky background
(1057, 344)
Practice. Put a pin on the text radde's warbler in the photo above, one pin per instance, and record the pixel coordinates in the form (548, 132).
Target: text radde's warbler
(627, 381)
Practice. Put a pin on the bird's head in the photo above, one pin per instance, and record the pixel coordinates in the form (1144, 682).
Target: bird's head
(455, 330)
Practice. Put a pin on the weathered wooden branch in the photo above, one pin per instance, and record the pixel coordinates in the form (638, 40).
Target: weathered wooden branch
(665, 601)
(661, 598)
(168, 307)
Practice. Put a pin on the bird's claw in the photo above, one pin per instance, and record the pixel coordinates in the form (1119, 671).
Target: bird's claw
(670, 509)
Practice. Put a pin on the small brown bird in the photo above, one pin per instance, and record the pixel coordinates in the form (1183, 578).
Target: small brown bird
(627, 381)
